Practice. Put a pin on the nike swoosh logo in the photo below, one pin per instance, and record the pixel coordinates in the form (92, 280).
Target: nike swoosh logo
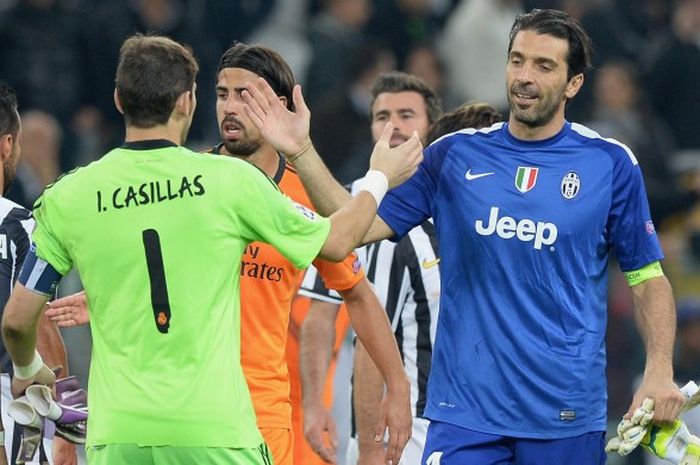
(470, 177)
(430, 263)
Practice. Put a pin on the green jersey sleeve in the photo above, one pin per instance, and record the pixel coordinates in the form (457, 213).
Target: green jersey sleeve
(46, 235)
(267, 215)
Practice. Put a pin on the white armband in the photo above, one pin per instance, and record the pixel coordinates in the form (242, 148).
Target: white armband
(376, 183)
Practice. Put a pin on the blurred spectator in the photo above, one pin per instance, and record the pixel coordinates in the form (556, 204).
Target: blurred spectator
(230, 20)
(39, 164)
(114, 20)
(285, 30)
(474, 49)
(42, 45)
(621, 30)
(423, 61)
(335, 34)
(620, 112)
(339, 126)
(675, 74)
(401, 24)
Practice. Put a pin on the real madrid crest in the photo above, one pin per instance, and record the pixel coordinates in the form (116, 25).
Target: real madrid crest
(570, 185)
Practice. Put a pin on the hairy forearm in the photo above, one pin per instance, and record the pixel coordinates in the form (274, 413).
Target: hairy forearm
(368, 389)
(369, 320)
(19, 324)
(51, 347)
(317, 337)
(656, 320)
(349, 225)
(326, 194)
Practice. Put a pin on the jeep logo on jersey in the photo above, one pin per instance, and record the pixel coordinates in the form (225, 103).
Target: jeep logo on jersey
(526, 178)
(570, 185)
(525, 230)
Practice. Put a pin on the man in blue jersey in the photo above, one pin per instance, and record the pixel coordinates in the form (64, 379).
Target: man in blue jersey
(527, 213)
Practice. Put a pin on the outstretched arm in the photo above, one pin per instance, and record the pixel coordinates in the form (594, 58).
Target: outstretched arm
(350, 224)
(317, 337)
(288, 132)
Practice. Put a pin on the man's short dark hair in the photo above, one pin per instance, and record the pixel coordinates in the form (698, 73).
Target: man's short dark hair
(153, 72)
(396, 81)
(9, 119)
(266, 63)
(469, 115)
(563, 26)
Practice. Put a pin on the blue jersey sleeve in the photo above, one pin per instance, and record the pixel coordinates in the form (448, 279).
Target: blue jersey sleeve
(631, 230)
(411, 203)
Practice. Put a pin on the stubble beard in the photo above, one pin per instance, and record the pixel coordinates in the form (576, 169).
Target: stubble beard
(538, 115)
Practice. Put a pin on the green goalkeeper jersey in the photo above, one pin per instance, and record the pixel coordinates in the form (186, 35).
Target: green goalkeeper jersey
(156, 232)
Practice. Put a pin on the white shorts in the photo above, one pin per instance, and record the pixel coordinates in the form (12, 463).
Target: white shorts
(411, 454)
(12, 443)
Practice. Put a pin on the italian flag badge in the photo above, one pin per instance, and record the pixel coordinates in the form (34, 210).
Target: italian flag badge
(526, 178)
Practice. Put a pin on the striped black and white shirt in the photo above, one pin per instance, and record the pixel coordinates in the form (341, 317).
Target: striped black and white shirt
(406, 278)
(16, 226)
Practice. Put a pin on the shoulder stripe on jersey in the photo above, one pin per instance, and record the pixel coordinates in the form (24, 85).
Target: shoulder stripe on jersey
(472, 131)
(591, 134)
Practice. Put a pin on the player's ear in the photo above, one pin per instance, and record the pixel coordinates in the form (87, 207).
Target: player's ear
(185, 103)
(573, 86)
(6, 141)
(117, 102)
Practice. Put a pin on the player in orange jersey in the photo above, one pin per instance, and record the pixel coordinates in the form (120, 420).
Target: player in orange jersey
(269, 281)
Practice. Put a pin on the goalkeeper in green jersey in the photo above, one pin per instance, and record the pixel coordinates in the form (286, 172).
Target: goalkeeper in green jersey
(156, 232)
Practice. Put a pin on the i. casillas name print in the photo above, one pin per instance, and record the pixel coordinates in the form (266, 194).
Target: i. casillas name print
(150, 192)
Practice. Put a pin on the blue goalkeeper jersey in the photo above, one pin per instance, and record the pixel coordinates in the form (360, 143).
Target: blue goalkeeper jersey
(525, 231)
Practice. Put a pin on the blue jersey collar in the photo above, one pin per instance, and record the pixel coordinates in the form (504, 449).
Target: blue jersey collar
(535, 143)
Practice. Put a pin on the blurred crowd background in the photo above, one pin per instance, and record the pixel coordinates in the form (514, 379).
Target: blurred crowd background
(61, 56)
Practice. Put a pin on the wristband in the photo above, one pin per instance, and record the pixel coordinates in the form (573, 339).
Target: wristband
(302, 151)
(376, 183)
(27, 371)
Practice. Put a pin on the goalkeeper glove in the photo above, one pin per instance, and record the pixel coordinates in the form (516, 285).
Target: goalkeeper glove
(674, 443)
(630, 432)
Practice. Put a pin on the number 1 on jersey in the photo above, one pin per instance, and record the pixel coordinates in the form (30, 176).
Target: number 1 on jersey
(156, 275)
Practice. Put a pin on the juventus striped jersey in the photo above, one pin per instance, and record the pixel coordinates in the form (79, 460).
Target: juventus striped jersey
(406, 278)
(15, 227)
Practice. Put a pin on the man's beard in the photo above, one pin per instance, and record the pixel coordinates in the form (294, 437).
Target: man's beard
(241, 148)
(537, 115)
(8, 172)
